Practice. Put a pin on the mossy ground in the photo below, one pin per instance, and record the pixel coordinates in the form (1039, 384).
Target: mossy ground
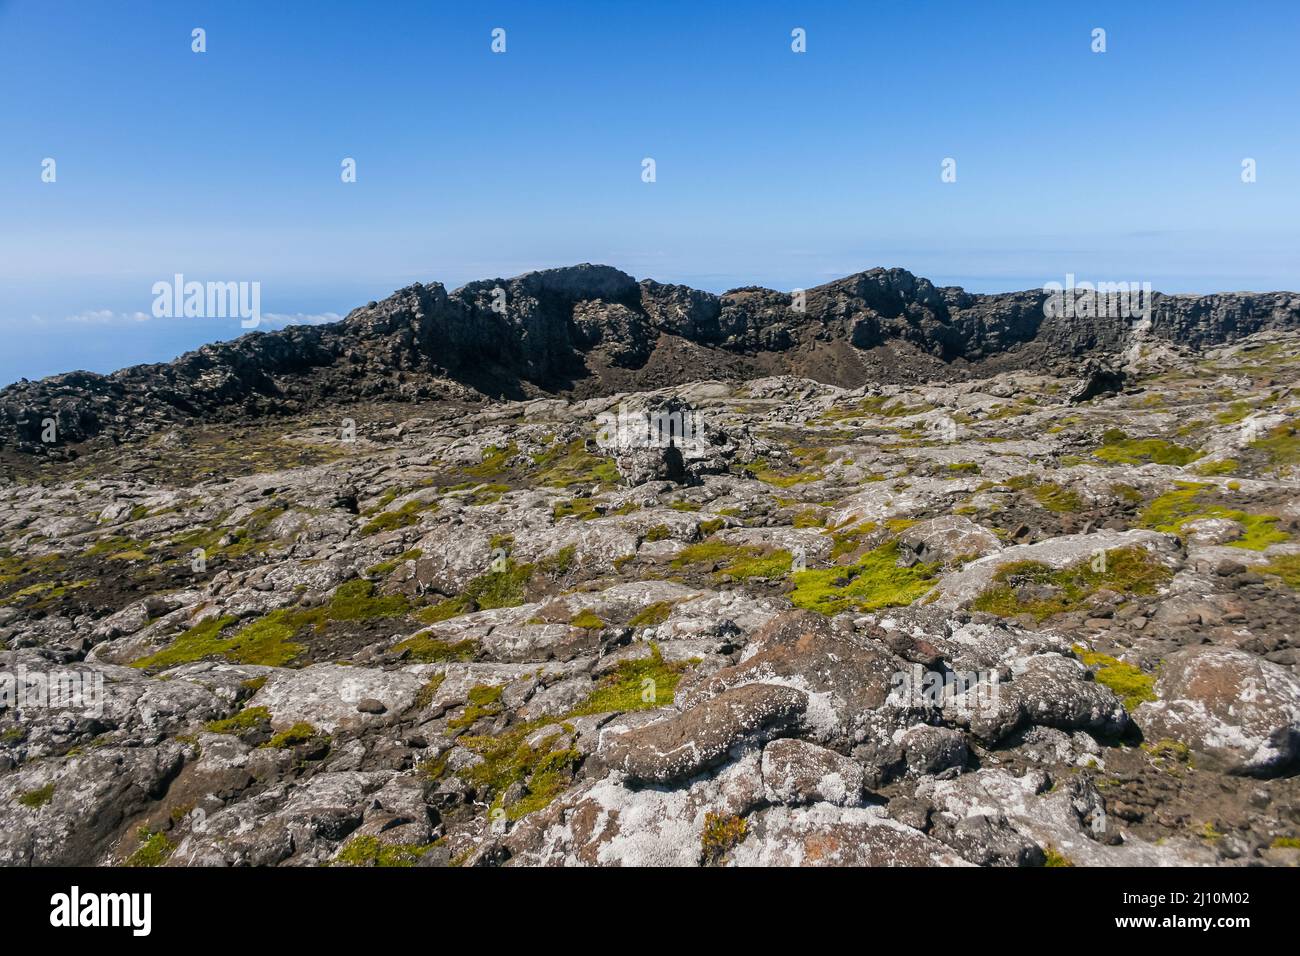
(740, 561)
(484, 701)
(721, 834)
(1281, 446)
(508, 587)
(1048, 494)
(1055, 858)
(428, 649)
(35, 799)
(563, 466)
(405, 516)
(584, 509)
(652, 615)
(300, 733)
(505, 588)
(370, 851)
(268, 640)
(1285, 566)
(154, 850)
(1190, 501)
(1119, 449)
(249, 538)
(875, 581)
(769, 474)
(247, 719)
(588, 620)
(385, 568)
(545, 768)
(640, 684)
(1030, 587)
(1132, 685)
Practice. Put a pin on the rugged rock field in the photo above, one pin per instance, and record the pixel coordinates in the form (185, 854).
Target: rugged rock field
(1017, 619)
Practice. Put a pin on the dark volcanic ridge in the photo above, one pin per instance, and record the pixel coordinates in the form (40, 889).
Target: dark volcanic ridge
(589, 329)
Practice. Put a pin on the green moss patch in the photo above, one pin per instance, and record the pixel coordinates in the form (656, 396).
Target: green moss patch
(493, 464)
(588, 620)
(809, 518)
(1131, 684)
(1286, 567)
(876, 406)
(545, 768)
(427, 649)
(505, 588)
(875, 581)
(247, 719)
(300, 733)
(1282, 446)
(721, 834)
(1030, 587)
(385, 568)
(1048, 494)
(1213, 469)
(640, 684)
(484, 701)
(769, 474)
(1119, 449)
(740, 561)
(1189, 502)
(154, 850)
(848, 540)
(267, 640)
(35, 799)
(652, 615)
(369, 851)
(356, 601)
(584, 509)
(1055, 858)
(571, 464)
(405, 516)
(247, 539)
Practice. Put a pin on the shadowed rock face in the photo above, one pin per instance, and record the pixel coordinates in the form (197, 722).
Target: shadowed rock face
(593, 330)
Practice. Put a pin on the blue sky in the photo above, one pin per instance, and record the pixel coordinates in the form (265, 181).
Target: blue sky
(774, 168)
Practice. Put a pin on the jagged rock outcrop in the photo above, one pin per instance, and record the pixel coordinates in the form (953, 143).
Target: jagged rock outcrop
(591, 329)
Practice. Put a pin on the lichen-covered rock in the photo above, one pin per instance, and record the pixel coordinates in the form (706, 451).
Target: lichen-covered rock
(933, 749)
(948, 537)
(828, 835)
(797, 772)
(1234, 709)
(846, 681)
(326, 696)
(684, 745)
(1054, 691)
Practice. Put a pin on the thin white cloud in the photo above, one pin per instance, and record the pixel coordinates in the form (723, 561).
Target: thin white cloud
(106, 317)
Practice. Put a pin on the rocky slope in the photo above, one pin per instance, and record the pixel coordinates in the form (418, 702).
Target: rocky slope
(1001, 617)
(593, 330)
